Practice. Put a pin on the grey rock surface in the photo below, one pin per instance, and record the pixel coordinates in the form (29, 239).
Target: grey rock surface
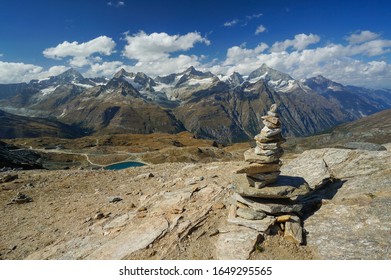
(236, 244)
(364, 146)
(354, 220)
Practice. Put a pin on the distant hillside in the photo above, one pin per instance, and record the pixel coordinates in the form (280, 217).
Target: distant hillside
(13, 126)
(375, 128)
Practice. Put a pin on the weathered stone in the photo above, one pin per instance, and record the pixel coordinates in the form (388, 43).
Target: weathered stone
(250, 214)
(271, 125)
(259, 225)
(251, 156)
(273, 108)
(133, 238)
(270, 132)
(364, 146)
(271, 119)
(255, 168)
(275, 153)
(270, 176)
(354, 220)
(267, 205)
(120, 221)
(21, 198)
(293, 231)
(236, 244)
(273, 139)
(269, 113)
(285, 187)
(268, 146)
(114, 199)
(243, 179)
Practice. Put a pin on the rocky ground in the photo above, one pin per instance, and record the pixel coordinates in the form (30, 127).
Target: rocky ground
(179, 211)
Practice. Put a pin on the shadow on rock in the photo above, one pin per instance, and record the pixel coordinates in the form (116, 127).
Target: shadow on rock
(313, 202)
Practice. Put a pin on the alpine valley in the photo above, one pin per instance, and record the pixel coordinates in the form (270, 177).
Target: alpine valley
(223, 108)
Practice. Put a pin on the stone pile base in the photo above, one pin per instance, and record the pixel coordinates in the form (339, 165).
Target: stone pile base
(271, 209)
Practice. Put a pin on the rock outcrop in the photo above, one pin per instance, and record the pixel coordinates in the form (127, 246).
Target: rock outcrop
(351, 218)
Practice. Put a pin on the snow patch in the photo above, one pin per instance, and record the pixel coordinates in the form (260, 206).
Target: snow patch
(48, 90)
(82, 85)
(196, 82)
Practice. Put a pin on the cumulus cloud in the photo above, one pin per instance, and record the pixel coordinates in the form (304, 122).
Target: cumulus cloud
(335, 61)
(260, 29)
(362, 36)
(104, 69)
(153, 52)
(300, 42)
(16, 72)
(81, 54)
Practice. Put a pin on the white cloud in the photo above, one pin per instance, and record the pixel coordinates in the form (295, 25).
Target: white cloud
(260, 29)
(335, 61)
(81, 53)
(300, 42)
(16, 72)
(105, 69)
(11, 72)
(152, 52)
(362, 36)
(244, 21)
(231, 23)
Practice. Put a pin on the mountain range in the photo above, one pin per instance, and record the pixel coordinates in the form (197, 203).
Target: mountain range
(224, 108)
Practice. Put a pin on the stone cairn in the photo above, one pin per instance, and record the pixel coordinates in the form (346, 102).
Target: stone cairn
(263, 200)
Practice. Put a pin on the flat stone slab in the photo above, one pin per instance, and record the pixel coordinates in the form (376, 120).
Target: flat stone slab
(251, 156)
(256, 168)
(136, 237)
(237, 244)
(267, 206)
(250, 214)
(259, 225)
(285, 187)
(243, 179)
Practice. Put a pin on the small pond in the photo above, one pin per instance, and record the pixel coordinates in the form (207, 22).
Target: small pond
(123, 165)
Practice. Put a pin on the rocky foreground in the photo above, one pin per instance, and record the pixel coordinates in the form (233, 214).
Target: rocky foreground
(179, 211)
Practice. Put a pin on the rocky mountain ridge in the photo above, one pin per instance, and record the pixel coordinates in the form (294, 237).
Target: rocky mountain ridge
(226, 109)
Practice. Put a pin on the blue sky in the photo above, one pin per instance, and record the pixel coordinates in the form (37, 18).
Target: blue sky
(347, 41)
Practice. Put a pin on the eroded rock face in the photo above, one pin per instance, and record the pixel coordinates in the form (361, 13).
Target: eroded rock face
(354, 220)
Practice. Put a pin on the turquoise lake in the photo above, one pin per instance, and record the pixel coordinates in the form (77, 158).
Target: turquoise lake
(123, 165)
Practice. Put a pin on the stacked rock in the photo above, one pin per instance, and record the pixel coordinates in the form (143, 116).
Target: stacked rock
(262, 197)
